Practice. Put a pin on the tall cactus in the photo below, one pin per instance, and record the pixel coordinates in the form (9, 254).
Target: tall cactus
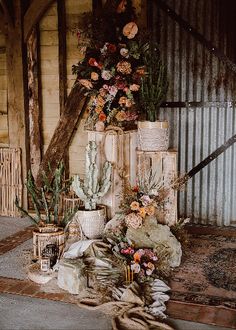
(46, 199)
(91, 189)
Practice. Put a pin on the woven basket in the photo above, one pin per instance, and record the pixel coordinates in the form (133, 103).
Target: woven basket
(153, 136)
(92, 223)
(50, 234)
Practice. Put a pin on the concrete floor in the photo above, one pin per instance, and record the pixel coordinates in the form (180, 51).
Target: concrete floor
(20, 312)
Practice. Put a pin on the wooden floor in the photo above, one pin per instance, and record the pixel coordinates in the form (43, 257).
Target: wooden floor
(203, 288)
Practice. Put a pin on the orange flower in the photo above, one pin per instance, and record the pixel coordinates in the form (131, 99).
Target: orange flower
(150, 210)
(102, 116)
(121, 6)
(122, 100)
(137, 257)
(141, 71)
(98, 109)
(121, 116)
(130, 30)
(124, 67)
(134, 206)
(142, 212)
(100, 101)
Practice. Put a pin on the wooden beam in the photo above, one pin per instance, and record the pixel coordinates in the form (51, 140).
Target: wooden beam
(34, 96)
(7, 14)
(61, 14)
(16, 92)
(74, 108)
(33, 15)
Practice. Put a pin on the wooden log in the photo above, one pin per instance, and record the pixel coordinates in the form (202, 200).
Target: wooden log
(74, 108)
(35, 115)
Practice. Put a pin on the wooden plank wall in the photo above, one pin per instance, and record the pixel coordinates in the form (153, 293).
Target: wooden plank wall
(77, 147)
(4, 139)
(50, 79)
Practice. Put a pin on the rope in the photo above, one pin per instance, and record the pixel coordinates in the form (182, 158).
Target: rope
(114, 130)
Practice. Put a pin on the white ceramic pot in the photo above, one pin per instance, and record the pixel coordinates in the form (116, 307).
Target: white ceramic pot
(92, 222)
(153, 136)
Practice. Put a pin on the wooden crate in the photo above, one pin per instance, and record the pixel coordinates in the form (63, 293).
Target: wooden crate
(118, 147)
(164, 165)
(10, 181)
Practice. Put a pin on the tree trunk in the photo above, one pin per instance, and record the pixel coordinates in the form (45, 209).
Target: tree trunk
(59, 144)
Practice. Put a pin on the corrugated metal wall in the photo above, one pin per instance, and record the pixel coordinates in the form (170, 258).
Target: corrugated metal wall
(197, 75)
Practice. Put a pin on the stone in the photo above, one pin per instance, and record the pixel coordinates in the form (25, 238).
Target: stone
(70, 276)
(152, 234)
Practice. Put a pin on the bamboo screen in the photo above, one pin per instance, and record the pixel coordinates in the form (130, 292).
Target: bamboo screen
(10, 181)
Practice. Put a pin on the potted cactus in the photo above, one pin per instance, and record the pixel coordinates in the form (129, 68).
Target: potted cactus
(92, 217)
(46, 201)
(153, 134)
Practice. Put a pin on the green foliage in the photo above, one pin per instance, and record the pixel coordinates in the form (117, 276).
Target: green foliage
(46, 199)
(154, 84)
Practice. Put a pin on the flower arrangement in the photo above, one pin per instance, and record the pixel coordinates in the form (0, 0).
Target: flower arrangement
(137, 206)
(112, 74)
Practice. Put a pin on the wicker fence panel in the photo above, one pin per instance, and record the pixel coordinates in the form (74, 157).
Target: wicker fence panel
(10, 181)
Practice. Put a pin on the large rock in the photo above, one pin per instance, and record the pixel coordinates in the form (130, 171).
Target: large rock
(152, 234)
(71, 276)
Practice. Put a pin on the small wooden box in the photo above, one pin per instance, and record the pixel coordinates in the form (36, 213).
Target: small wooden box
(164, 165)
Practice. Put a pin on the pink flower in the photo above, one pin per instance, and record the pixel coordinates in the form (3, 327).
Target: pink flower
(124, 52)
(99, 126)
(135, 267)
(133, 220)
(146, 200)
(106, 75)
(112, 90)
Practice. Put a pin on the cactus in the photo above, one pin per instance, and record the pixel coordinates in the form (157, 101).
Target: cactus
(90, 190)
(154, 84)
(47, 198)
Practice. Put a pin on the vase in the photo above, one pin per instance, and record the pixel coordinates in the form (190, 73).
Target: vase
(153, 136)
(92, 223)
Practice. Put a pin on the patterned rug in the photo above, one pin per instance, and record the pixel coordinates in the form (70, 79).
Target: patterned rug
(207, 274)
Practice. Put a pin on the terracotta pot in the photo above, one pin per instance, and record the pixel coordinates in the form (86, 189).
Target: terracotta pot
(153, 136)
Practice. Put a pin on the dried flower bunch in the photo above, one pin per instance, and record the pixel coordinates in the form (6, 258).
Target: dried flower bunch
(112, 73)
(112, 70)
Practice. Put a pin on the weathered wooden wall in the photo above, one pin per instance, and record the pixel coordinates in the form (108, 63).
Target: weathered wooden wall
(4, 138)
(49, 42)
